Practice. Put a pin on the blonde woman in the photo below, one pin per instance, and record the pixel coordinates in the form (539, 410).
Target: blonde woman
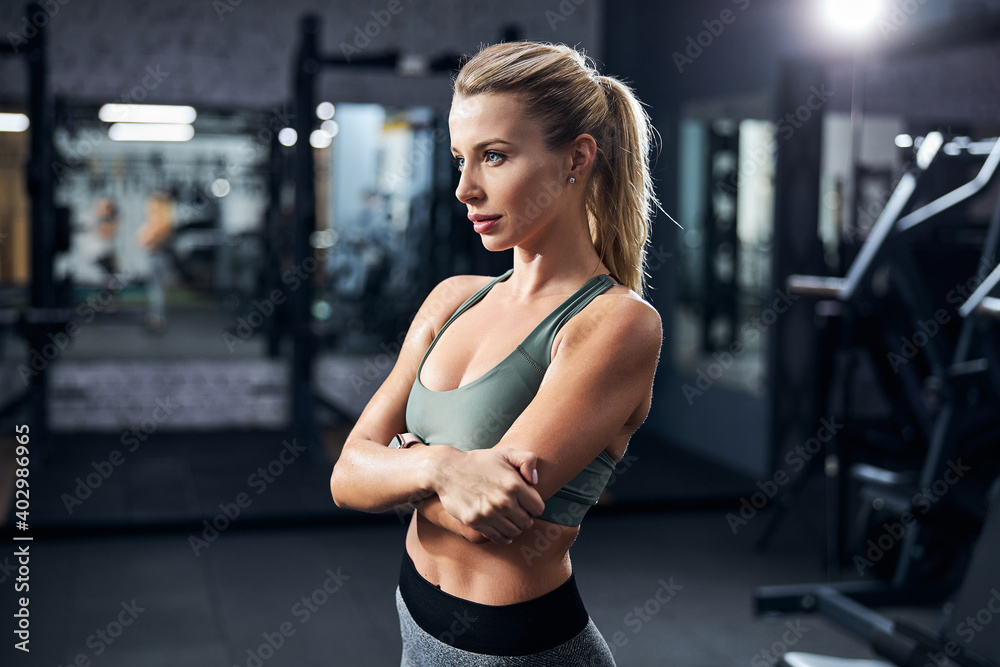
(514, 396)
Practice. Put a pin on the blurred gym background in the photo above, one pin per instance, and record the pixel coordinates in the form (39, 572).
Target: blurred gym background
(217, 219)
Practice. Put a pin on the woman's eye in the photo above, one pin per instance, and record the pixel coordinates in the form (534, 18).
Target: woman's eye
(493, 154)
(458, 162)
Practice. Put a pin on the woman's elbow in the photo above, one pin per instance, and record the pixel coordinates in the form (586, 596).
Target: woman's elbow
(334, 488)
(338, 486)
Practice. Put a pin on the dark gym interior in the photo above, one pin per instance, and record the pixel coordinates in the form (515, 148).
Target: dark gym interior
(218, 218)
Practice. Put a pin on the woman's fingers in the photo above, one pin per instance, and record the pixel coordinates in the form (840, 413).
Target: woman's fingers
(531, 502)
(525, 462)
(499, 530)
(499, 484)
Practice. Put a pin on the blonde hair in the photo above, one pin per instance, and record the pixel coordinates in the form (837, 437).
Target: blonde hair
(567, 95)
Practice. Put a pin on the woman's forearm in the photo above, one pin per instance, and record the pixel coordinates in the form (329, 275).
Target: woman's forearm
(432, 510)
(371, 477)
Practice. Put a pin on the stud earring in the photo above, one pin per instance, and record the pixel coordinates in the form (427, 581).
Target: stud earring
(572, 179)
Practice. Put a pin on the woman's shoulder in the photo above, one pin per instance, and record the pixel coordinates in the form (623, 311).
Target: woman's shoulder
(448, 295)
(619, 313)
(621, 302)
(458, 288)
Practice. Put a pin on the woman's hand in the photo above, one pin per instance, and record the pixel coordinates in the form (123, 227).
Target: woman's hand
(432, 510)
(486, 489)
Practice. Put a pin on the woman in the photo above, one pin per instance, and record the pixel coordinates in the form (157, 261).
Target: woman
(155, 237)
(518, 393)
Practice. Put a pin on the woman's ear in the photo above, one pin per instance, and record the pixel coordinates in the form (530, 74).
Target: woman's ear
(583, 152)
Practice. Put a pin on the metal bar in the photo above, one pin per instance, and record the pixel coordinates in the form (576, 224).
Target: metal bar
(990, 307)
(306, 70)
(849, 613)
(43, 219)
(797, 598)
(957, 195)
(820, 287)
(887, 220)
(980, 295)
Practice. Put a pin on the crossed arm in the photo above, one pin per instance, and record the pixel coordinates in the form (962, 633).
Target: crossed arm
(597, 387)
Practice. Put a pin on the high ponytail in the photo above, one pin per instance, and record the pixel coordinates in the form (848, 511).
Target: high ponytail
(622, 192)
(568, 96)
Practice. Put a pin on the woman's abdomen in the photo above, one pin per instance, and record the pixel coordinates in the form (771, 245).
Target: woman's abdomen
(536, 562)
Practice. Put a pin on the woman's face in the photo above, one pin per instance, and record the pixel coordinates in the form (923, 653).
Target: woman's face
(511, 184)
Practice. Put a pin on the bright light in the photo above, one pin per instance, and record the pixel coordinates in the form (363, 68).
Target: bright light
(930, 145)
(904, 140)
(150, 132)
(324, 238)
(220, 187)
(330, 127)
(146, 113)
(13, 122)
(852, 17)
(321, 310)
(287, 136)
(325, 111)
(981, 147)
(320, 139)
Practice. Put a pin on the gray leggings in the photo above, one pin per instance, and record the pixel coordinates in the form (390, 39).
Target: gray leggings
(421, 649)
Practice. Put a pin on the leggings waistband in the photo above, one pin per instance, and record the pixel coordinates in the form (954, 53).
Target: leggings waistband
(521, 628)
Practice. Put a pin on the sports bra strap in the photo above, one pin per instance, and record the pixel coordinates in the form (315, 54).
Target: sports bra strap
(539, 343)
(474, 299)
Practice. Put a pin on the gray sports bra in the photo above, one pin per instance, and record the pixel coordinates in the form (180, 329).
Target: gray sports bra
(478, 414)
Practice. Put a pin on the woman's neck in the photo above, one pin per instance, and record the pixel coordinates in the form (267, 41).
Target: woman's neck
(558, 262)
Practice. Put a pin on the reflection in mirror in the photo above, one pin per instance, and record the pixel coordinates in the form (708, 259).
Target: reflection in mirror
(726, 197)
(166, 219)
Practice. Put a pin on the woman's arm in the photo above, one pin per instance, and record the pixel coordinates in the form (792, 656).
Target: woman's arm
(597, 388)
(368, 476)
(484, 489)
(432, 510)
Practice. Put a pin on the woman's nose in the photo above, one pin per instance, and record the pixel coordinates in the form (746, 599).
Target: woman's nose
(468, 187)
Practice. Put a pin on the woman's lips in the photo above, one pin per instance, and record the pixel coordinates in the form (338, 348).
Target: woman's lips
(483, 224)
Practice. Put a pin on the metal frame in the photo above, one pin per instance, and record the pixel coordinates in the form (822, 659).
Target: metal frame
(308, 64)
(959, 368)
(43, 315)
